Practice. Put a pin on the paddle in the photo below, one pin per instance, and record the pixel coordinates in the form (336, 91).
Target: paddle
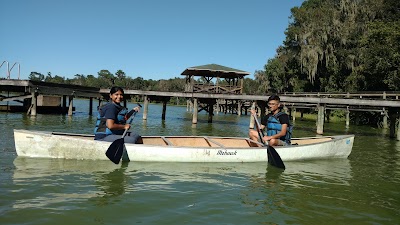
(273, 157)
(114, 152)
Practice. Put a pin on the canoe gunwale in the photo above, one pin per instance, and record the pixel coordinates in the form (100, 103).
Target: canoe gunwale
(169, 144)
(44, 144)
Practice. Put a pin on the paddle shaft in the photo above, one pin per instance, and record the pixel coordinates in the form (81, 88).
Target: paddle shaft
(259, 130)
(273, 156)
(130, 120)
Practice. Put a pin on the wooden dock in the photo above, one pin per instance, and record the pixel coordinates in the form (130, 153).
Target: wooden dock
(27, 92)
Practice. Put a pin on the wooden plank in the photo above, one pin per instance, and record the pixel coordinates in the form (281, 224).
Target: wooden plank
(214, 142)
(167, 141)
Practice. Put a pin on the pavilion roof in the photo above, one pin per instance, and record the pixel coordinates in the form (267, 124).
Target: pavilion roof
(214, 70)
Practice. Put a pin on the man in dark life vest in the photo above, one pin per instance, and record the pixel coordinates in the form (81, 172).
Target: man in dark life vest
(277, 124)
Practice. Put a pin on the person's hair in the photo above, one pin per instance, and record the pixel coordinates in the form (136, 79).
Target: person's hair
(274, 97)
(115, 89)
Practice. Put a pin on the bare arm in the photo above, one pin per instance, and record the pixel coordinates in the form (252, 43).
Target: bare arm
(253, 112)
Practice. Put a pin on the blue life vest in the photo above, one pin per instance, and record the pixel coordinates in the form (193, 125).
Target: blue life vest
(274, 127)
(101, 123)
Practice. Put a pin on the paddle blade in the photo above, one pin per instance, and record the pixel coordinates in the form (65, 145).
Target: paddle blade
(273, 158)
(114, 152)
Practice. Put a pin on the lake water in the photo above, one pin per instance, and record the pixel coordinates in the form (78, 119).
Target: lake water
(363, 189)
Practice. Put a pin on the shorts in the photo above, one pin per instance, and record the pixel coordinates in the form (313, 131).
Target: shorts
(129, 138)
(282, 143)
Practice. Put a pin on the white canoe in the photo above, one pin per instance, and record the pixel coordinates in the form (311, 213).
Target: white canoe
(41, 144)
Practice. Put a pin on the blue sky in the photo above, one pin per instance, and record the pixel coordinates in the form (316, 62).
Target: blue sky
(153, 39)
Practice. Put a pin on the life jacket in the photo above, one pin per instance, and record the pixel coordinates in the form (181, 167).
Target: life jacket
(101, 123)
(274, 127)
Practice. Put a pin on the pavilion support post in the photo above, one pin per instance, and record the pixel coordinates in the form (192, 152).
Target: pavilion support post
(393, 115)
(347, 118)
(189, 105)
(146, 107)
(210, 111)
(164, 108)
(398, 132)
(239, 108)
(301, 114)
(293, 114)
(195, 111)
(70, 105)
(328, 115)
(385, 114)
(285, 109)
(64, 104)
(218, 106)
(90, 106)
(253, 107)
(34, 104)
(226, 106)
(320, 119)
(385, 119)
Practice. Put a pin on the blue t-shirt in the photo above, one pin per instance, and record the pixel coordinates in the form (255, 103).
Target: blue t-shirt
(109, 111)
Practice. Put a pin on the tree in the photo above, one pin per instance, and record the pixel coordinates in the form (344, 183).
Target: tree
(106, 79)
(79, 79)
(337, 45)
(120, 75)
(36, 76)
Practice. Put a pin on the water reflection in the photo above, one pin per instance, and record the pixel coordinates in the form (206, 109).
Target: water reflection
(280, 194)
(397, 152)
(102, 182)
(300, 174)
(51, 183)
(111, 185)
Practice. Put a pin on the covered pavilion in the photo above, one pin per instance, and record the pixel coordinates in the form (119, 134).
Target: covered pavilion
(214, 79)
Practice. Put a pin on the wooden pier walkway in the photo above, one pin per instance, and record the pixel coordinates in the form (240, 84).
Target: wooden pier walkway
(388, 103)
(27, 92)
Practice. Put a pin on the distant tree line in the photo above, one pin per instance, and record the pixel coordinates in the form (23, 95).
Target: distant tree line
(105, 79)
